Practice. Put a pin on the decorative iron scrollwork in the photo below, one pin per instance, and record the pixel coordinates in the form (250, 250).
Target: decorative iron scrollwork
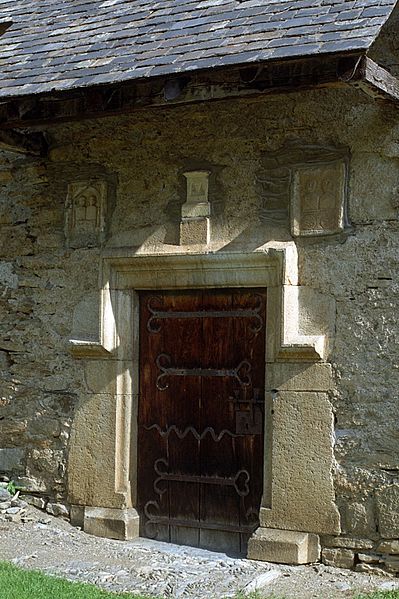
(190, 430)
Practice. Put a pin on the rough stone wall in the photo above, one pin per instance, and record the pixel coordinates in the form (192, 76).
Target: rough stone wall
(142, 158)
(385, 49)
(39, 285)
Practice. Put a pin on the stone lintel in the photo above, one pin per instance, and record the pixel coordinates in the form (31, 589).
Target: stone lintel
(120, 524)
(284, 546)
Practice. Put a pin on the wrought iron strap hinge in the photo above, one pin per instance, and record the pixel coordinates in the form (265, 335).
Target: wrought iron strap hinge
(154, 324)
(242, 373)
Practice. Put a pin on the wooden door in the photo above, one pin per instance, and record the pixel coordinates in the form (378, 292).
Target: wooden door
(201, 408)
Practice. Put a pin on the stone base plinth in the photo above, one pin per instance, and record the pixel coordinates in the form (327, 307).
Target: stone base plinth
(112, 523)
(284, 546)
(195, 231)
(77, 515)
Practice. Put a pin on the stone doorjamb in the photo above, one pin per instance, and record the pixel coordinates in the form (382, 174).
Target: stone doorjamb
(104, 435)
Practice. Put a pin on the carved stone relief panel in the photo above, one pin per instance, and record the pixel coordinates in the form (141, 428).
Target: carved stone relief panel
(317, 199)
(304, 187)
(85, 213)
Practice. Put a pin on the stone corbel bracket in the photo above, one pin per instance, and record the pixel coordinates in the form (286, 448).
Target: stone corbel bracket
(80, 348)
(274, 267)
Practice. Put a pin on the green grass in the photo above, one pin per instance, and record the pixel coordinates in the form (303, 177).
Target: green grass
(16, 583)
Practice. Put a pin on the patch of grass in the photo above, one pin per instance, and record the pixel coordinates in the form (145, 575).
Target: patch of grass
(16, 583)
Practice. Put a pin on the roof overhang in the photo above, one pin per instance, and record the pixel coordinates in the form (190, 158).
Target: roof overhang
(287, 76)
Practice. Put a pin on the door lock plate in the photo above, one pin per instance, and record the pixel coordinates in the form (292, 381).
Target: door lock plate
(249, 422)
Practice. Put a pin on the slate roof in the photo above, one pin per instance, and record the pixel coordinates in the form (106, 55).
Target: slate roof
(66, 44)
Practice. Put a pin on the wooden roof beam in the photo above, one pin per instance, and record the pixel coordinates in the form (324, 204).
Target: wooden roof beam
(374, 80)
(283, 76)
(261, 79)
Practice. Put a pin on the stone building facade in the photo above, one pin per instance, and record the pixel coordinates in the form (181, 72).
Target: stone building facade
(59, 412)
(296, 193)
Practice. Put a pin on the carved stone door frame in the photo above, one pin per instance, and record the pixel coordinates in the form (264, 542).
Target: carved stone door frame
(102, 468)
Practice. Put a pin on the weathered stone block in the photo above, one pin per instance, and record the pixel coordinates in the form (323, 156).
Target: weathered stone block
(299, 377)
(77, 515)
(302, 487)
(4, 495)
(370, 558)
(360, 519)
(85, 320)
(30, 484)
(13, 517)
(38, 502)
(104, 376)
(346, 542)
(340, 558)
(6, 176)
(92, 453)
(11, 429)
(8, 279)
(112, 523)
(369, 569)
(283, 546)
(57, 509)
(11, 459)
(389, 547)
(392, 564)
(388, 511)
(4, 360)
(195, 231)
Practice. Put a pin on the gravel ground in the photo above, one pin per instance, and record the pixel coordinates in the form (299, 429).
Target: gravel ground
(53, 546)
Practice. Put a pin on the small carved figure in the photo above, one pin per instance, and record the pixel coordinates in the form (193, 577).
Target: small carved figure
(85, 213)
